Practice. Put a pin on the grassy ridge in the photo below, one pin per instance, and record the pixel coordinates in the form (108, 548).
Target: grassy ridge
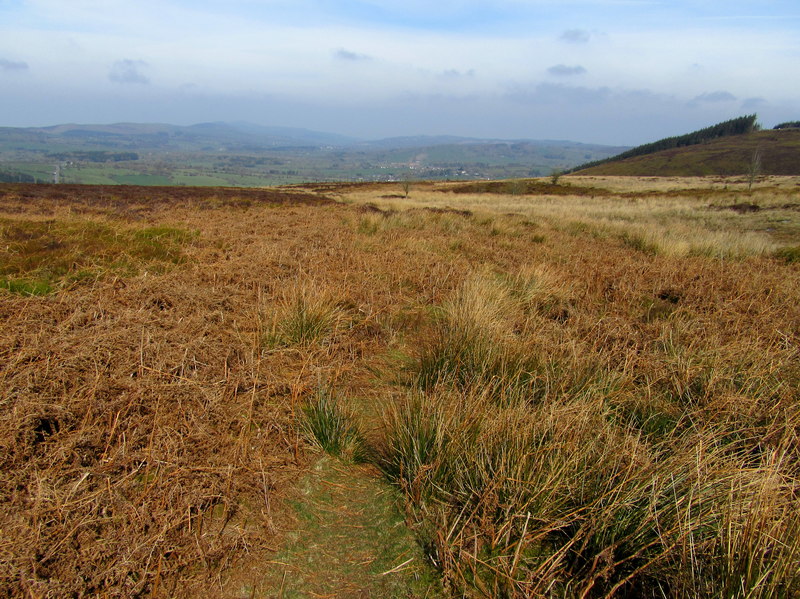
(737, 126)
(728, 156)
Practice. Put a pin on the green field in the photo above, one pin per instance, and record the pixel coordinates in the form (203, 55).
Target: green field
(222, 155)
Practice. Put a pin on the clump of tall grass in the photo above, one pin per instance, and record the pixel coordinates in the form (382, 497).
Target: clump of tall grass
(482, 338)
(788, 254)
(531, 469)
(474, 345)
(536, 288)
(640, 241)
(558, 500)
(418, 438)
(686, 240)
(370, 224)
(445, 220)
(331, 426)
(305, 314)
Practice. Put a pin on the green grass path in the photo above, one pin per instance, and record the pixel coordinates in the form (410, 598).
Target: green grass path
(350, 540)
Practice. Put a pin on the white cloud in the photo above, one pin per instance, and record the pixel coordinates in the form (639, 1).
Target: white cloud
(128, 71)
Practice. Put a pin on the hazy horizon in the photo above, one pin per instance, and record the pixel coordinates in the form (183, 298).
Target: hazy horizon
(616, 72)
(245, 125)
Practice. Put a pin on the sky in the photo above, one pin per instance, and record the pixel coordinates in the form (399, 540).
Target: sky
(619, 72)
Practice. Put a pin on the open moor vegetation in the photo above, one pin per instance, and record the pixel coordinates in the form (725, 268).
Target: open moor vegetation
(585, 387)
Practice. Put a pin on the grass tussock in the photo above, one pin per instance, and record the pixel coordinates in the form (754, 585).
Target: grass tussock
(788, 254)
(305, 314)
(482, 337)
(331, 425)
(695, 241)
(473, 342)
(445, 220)
(557, 500)
(555, 473)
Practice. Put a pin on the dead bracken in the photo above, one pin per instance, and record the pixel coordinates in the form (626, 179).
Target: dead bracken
(575, 395)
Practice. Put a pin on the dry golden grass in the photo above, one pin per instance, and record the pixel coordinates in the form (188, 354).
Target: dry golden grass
(674, 216)
(619, 418)
(684, 184)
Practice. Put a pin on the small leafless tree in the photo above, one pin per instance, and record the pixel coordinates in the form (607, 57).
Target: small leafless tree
(754, 169)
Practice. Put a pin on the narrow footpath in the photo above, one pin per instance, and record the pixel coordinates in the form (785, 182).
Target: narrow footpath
(348, 540)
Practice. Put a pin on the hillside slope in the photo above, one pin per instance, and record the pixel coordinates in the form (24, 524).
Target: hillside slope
(780, 155)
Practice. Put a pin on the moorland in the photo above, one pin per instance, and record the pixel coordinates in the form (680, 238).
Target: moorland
(574, 387)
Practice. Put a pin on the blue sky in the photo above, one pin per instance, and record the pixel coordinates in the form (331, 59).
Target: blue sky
(604, 71)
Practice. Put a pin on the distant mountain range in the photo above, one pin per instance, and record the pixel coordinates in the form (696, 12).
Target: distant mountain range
(246, 154)
(200, 137)
(235, 136)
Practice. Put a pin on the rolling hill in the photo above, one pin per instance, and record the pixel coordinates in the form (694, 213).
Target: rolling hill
(733, 155)
(242, 154)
